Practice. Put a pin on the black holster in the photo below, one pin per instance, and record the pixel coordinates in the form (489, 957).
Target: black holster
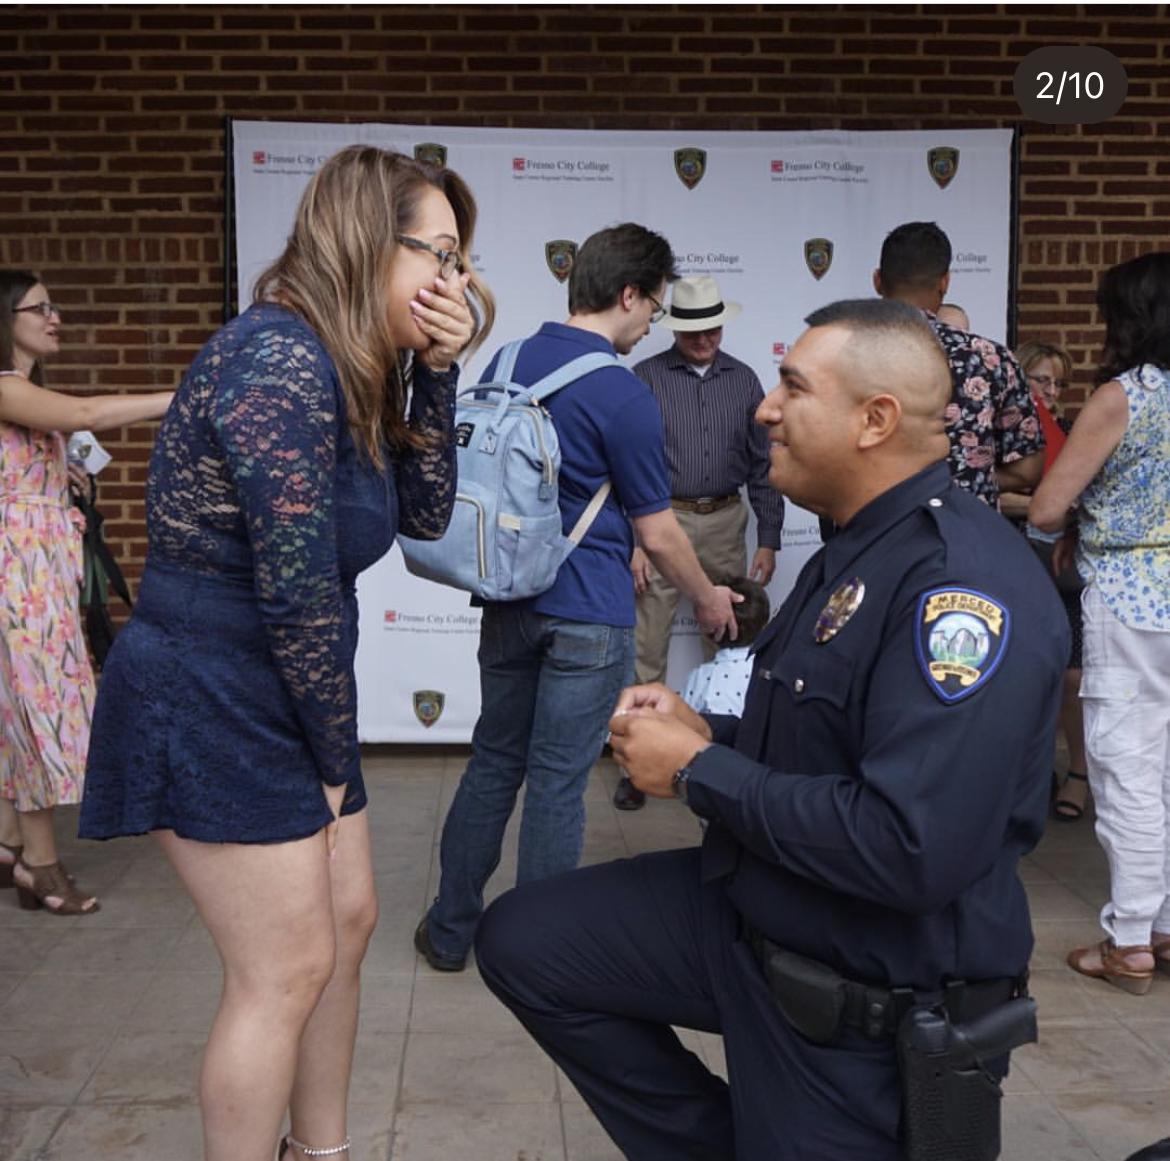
(809, 994)
(951, 1079)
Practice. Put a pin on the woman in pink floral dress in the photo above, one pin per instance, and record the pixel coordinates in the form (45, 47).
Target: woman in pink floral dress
(46, 684)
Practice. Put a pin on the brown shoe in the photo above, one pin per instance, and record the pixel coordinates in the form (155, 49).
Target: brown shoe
(1107, 961)
(51, 888)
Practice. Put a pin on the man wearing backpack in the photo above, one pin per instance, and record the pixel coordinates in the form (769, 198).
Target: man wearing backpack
(552, 666)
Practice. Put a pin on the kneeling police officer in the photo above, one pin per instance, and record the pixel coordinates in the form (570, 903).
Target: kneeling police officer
(854, 924)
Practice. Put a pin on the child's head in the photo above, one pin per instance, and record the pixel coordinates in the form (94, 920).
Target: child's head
(752, 613)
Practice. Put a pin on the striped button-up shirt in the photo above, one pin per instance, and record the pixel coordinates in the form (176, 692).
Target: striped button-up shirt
(713, 444)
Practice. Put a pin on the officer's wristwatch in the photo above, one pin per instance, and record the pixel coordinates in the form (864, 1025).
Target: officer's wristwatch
(679, 782)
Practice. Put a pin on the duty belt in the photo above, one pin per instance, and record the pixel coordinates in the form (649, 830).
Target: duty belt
(818, 1001)
(704, 505)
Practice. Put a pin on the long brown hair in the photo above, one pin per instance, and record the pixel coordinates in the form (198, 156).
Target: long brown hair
(14, 285)
(335, 273)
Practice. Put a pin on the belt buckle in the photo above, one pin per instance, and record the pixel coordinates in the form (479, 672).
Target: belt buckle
(705, 506)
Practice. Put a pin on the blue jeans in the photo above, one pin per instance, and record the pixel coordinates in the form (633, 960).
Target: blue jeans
(548, 687)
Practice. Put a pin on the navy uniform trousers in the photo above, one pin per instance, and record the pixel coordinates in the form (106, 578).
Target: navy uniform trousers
(597, 964)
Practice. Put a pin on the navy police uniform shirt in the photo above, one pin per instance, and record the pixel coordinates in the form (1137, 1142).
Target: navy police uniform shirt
(894, 756)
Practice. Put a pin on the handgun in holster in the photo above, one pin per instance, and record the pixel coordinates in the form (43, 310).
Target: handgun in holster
(951, 1079)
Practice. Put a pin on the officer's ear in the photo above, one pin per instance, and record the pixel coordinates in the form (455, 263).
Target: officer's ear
(877, 284)
(881, 416)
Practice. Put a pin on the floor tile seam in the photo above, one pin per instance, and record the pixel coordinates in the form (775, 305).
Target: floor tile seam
(1079, 1136)
(123, 1033)
(61, 931)
(560, 1103)
(396, 1104)
(42, 1150)
(1112, 1095)
(75, 1101)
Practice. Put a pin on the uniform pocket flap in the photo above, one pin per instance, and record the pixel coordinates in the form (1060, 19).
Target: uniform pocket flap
(815, 673)
(1109, 684)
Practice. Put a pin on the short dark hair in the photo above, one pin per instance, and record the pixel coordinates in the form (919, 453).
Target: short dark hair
(1134, 300)
(915, 255)
(879, 325)
(14, 285)
(871, 314)
(753, 612)
(614, 258)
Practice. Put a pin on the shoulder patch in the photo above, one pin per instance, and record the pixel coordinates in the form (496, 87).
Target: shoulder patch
(960, 636)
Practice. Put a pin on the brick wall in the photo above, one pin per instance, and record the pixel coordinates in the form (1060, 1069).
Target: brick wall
(111, 135)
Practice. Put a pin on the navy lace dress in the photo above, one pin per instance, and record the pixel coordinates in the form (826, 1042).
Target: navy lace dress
(229, 697)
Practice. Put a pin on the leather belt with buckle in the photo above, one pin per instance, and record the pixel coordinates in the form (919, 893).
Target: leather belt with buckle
(704, 505)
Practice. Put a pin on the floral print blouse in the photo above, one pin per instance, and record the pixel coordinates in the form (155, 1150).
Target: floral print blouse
(991, 417)
(1124, 545)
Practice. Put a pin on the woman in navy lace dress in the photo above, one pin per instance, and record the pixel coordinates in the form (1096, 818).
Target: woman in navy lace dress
(226, 719)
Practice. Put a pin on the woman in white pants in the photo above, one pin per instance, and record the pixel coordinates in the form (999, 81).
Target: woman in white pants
(1117, 461)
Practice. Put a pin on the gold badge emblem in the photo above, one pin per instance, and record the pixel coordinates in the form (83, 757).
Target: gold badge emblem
(818, 256)
(943, 163)
(690, 165)
(844, 602)
(431, 153)
(428, 705)
(559, 255)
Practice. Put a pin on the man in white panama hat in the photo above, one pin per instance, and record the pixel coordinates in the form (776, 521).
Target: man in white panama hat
(714, 447)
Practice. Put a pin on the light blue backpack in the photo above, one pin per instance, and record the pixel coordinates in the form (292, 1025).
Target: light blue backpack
(505, 542)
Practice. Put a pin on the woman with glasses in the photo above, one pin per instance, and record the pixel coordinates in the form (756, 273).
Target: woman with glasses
(226, 723)
(1048, 370)
(46, 684)
(1115, 469)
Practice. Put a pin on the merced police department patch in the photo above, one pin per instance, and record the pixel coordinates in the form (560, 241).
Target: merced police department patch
(960, 638)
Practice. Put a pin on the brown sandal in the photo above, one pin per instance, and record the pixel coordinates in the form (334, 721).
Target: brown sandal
(1161, 949)
(51, 882)
(1066, 809)
(6, 868)
(1113, 967)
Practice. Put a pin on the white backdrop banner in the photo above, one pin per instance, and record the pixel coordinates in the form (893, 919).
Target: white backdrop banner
(786, 222)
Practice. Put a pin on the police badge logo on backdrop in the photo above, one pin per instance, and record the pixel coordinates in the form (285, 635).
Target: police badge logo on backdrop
(943, 163)
(431, 153)
(960, 638)
(690, 164)
(818, 256)
(428, 705)
(559, 255)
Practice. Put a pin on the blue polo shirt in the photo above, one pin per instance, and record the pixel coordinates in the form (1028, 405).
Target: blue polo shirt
(609, 427)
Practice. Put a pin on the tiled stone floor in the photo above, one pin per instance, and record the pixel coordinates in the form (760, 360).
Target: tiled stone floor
(102, 1019)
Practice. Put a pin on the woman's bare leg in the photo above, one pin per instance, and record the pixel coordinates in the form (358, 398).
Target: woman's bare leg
(9, 824)
(321, 1088)
(269, 910)
(36, 834)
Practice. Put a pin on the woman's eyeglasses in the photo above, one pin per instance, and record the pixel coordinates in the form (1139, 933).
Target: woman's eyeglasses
(44, 309)
(449, 261)
(1048, 381)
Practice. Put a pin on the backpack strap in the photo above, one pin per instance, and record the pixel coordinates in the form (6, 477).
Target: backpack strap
(585, 520)
(506, 363)
(569, 372)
